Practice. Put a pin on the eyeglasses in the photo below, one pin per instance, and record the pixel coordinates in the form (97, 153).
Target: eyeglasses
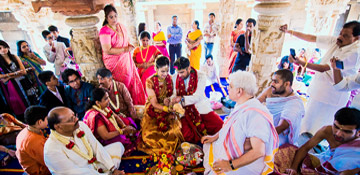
(72, 81)
(72, 119)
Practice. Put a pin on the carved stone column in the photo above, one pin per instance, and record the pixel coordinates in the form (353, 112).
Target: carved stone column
(127, 15)
(322, 15)
(85, 42)
(86, 45)
(198, 8)
(150, 25)
(226, 20)
(267, 41)
(29, 21)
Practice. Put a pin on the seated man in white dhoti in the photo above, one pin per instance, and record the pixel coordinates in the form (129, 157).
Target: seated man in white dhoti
(286, 107)
(248, 140)
(72, 149)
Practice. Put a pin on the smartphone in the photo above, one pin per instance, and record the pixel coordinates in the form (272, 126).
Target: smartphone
(339, 64)
(292, 52)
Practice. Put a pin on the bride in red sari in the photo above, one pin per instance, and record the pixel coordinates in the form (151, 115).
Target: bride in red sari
(117, 57)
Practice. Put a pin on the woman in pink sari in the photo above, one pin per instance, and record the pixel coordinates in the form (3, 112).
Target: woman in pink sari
(117, 57)
(160, 40)
(234, 35)
(144, 57)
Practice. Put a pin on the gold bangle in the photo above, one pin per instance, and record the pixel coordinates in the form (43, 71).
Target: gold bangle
(306, 64)
(121, 132)
(292, 32)
(165, 108)
(7, 150)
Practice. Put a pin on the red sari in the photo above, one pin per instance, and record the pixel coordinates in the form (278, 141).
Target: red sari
(122, 66)
(232, 56)
(145, 55)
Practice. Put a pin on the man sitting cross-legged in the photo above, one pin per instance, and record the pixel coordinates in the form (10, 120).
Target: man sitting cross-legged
(72, 149)
(248, 140)
(120, 99)
(286, 107)
(343, 156)
(31, 140)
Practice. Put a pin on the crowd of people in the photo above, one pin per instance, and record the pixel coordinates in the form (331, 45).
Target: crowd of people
(74, 127)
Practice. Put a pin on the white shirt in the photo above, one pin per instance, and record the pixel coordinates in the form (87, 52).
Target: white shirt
(215, 29)
(63, 161)
(321, 88)
(210, 72)
(349, 83)
(202, 103)
(57, 94)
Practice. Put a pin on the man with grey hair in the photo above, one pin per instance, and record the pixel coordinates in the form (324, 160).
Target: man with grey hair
(248, 140)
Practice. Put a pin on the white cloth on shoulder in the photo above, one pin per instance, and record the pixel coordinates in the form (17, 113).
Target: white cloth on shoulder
(251, 119)
(290, 109)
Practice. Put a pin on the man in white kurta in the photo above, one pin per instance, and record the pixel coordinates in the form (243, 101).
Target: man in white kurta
(248, 140)
(64, 161)
(199, 118)
(346, 83)
(324, 99)
(285, 105)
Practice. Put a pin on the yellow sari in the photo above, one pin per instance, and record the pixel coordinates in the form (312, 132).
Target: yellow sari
(195, 53)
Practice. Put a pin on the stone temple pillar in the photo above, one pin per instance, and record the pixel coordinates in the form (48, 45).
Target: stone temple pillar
(226, 20)
(267, 40)
(322, 15)
(85, 42)
(86, 45)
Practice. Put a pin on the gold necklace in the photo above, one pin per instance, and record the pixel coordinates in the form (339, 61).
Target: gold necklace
(118, 34)
(147, 51)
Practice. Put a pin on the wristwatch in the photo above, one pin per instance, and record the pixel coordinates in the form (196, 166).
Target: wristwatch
(231, 164)
(182, 101)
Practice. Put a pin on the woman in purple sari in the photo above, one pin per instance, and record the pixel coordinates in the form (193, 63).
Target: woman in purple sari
(106, 126)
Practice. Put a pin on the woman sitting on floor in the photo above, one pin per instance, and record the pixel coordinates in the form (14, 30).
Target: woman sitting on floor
(106, 126)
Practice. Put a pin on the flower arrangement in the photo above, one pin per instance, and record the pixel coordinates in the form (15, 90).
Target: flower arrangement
(188, 155)
(164, 164)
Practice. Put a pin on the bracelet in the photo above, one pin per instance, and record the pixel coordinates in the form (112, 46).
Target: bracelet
(231, 164)
(7, 150)
(165, 108)
(292, 32)
(121, 132)
(306, 64)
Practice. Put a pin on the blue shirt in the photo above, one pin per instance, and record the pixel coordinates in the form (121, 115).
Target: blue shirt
(77, 99)
(176, 34)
